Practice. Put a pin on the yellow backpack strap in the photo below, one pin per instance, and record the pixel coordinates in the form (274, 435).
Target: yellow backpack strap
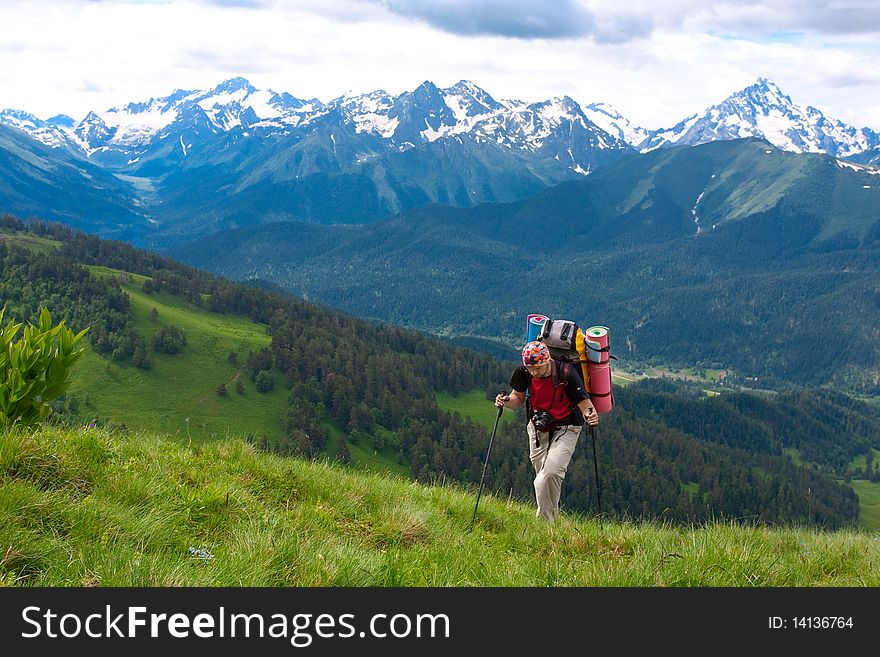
(581, 346)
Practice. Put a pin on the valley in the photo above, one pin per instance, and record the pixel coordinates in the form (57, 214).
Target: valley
(381, 398)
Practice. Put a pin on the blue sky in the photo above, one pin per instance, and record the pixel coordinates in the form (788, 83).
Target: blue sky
(656, 62)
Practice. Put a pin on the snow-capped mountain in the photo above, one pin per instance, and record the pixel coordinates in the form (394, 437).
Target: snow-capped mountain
(200, 160)
(763, 110)
(53, 133)
(195, 162)
(582, 138)
(122, 136)
(234, 103)
(556, 128)
(614, 123)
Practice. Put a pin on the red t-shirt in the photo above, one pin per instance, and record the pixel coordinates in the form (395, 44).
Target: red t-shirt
(542, 397)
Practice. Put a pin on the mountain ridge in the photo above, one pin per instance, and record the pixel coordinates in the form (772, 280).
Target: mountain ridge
(759, 110)
(195, 162)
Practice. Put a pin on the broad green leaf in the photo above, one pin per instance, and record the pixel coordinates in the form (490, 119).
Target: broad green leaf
(35, 368)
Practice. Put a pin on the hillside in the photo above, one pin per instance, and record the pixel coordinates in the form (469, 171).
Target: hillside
(316, 383)
(228, 377)
(90, 507)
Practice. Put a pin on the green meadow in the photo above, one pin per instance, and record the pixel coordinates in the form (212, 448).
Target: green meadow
(32, 242)
(869, 503)
(472, 404)
(178, 394)
(95, 507)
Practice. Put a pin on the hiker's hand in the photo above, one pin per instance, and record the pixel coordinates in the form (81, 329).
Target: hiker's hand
(501, 399)
(591, 416)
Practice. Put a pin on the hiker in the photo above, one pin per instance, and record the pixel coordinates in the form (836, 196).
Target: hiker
(557, 411)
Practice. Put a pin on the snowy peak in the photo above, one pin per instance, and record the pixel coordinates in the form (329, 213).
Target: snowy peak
(614, 123)
(136, 123)
(61, 121)
(422, 115)
(19, 119)
(763, 110)
(369, 112)
(93, 132)
(231, 104)
(766, 94)
(235, 85)
(558, 128)
(467, 100)
(49, 132)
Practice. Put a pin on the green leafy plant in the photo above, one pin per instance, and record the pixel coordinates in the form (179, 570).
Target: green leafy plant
(34, 369)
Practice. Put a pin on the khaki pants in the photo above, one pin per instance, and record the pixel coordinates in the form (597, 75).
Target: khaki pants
(550, 466)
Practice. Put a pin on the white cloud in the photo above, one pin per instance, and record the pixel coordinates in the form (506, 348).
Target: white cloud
(655, 62)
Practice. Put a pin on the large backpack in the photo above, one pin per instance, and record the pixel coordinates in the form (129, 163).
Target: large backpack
(589, 350)
(567, 345)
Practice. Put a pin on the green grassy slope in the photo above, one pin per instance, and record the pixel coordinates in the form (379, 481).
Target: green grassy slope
(178, 394)
(90, 507)
(869, 503)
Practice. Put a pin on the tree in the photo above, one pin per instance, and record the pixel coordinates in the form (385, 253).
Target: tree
(154, 314)
(221, 390)
(140, 358)
(239, 387)
(169, 340)
(264, 381)
(34, 369)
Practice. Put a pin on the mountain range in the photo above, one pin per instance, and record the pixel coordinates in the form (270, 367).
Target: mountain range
(441, 209)
(195, 162)
(429, 113)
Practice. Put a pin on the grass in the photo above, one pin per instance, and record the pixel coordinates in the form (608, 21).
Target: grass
(794, 454)
(364, 456)
(860, 461)
(90, 507)
(32, 242)
(472, 404)
(178, 394)
(869, 503)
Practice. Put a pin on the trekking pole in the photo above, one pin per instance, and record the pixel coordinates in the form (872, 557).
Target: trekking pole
(596, 468)
(485, 465)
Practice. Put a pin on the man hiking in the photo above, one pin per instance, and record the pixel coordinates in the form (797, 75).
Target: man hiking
(557, 406)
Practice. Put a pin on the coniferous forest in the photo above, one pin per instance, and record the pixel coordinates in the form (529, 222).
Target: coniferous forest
(666, 451)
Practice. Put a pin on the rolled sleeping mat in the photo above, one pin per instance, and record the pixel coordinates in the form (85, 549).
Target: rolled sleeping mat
(600, 386)
(533, 329)
(535, 324)
(598, 343)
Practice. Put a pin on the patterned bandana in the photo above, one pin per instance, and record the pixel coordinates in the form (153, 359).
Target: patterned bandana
(535, 353)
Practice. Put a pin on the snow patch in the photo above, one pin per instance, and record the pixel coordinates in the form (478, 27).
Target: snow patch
(136, 127)
(857, 167)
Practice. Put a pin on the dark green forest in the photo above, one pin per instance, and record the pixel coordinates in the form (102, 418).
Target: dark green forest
(730, 255)
(665, 451)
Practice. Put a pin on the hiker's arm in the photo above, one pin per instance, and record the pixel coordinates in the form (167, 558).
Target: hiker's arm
(514, 400)
(589, 412)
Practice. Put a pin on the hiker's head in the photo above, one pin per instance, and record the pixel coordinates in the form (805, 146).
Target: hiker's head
(536, 358)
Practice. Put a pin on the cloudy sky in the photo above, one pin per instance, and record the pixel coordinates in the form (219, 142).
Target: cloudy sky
(655, 61)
